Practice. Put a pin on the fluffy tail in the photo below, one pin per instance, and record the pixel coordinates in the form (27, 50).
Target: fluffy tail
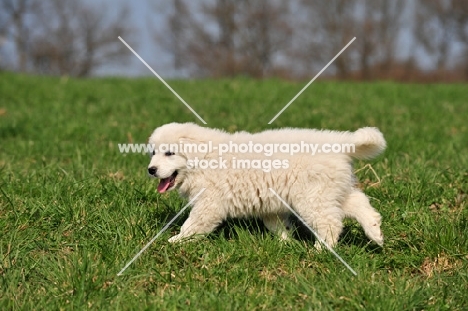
(368, 143)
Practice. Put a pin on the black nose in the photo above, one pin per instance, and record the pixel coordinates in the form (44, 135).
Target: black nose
(152, 170)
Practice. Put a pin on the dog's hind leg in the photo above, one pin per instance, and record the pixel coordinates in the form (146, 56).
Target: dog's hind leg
(324, 217)
(278, 224)
(357, 206)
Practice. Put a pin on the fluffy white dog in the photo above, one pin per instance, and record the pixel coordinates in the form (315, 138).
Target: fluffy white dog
(311, 170)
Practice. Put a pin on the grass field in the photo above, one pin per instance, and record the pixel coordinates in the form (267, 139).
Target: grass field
(74, 211)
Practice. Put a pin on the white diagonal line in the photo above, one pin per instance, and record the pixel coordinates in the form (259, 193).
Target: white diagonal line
(159, 233)
(313, 232)
(318, 74)
(164, 82)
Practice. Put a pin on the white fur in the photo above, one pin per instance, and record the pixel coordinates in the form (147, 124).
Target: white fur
(321, 188)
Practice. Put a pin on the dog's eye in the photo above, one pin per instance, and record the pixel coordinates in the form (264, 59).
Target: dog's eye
(169, 153)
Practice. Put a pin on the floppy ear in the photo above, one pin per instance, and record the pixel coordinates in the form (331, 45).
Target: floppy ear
(192, 148)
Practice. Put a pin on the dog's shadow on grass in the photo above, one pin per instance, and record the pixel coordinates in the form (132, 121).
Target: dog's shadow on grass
(352, 234)
(230, 228)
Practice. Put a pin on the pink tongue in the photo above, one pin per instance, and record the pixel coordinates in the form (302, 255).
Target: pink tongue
(163, 185)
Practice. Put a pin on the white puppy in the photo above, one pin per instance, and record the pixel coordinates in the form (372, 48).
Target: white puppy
(309, 169)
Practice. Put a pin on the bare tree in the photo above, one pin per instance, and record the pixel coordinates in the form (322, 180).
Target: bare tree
(367, 38)
(3, 37)
(377, 29)
(227, 37)
(224, 15)
(461, 9)
(327, 26)
(74, 39)
(437, 28)
(265, 32)
(389, 28)
(63, 37)
(14, 24)
(172, 37)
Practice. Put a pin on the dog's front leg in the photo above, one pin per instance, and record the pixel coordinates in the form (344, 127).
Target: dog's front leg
(203, 219)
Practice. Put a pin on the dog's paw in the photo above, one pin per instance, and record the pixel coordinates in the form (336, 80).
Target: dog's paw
(371, 222)
(373, 231)
(376, 236)
(284, 236)
(176, 239)
(318, 246)
(180, 238)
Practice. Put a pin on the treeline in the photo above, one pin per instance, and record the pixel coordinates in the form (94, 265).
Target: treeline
(396, 39)
(61, 37)
(411, 40)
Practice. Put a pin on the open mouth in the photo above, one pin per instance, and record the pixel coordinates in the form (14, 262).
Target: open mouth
(167, 183)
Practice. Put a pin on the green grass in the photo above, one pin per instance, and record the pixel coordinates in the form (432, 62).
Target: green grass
(74, 211)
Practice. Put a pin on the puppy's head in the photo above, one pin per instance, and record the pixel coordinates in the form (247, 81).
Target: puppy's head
(169, 159)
